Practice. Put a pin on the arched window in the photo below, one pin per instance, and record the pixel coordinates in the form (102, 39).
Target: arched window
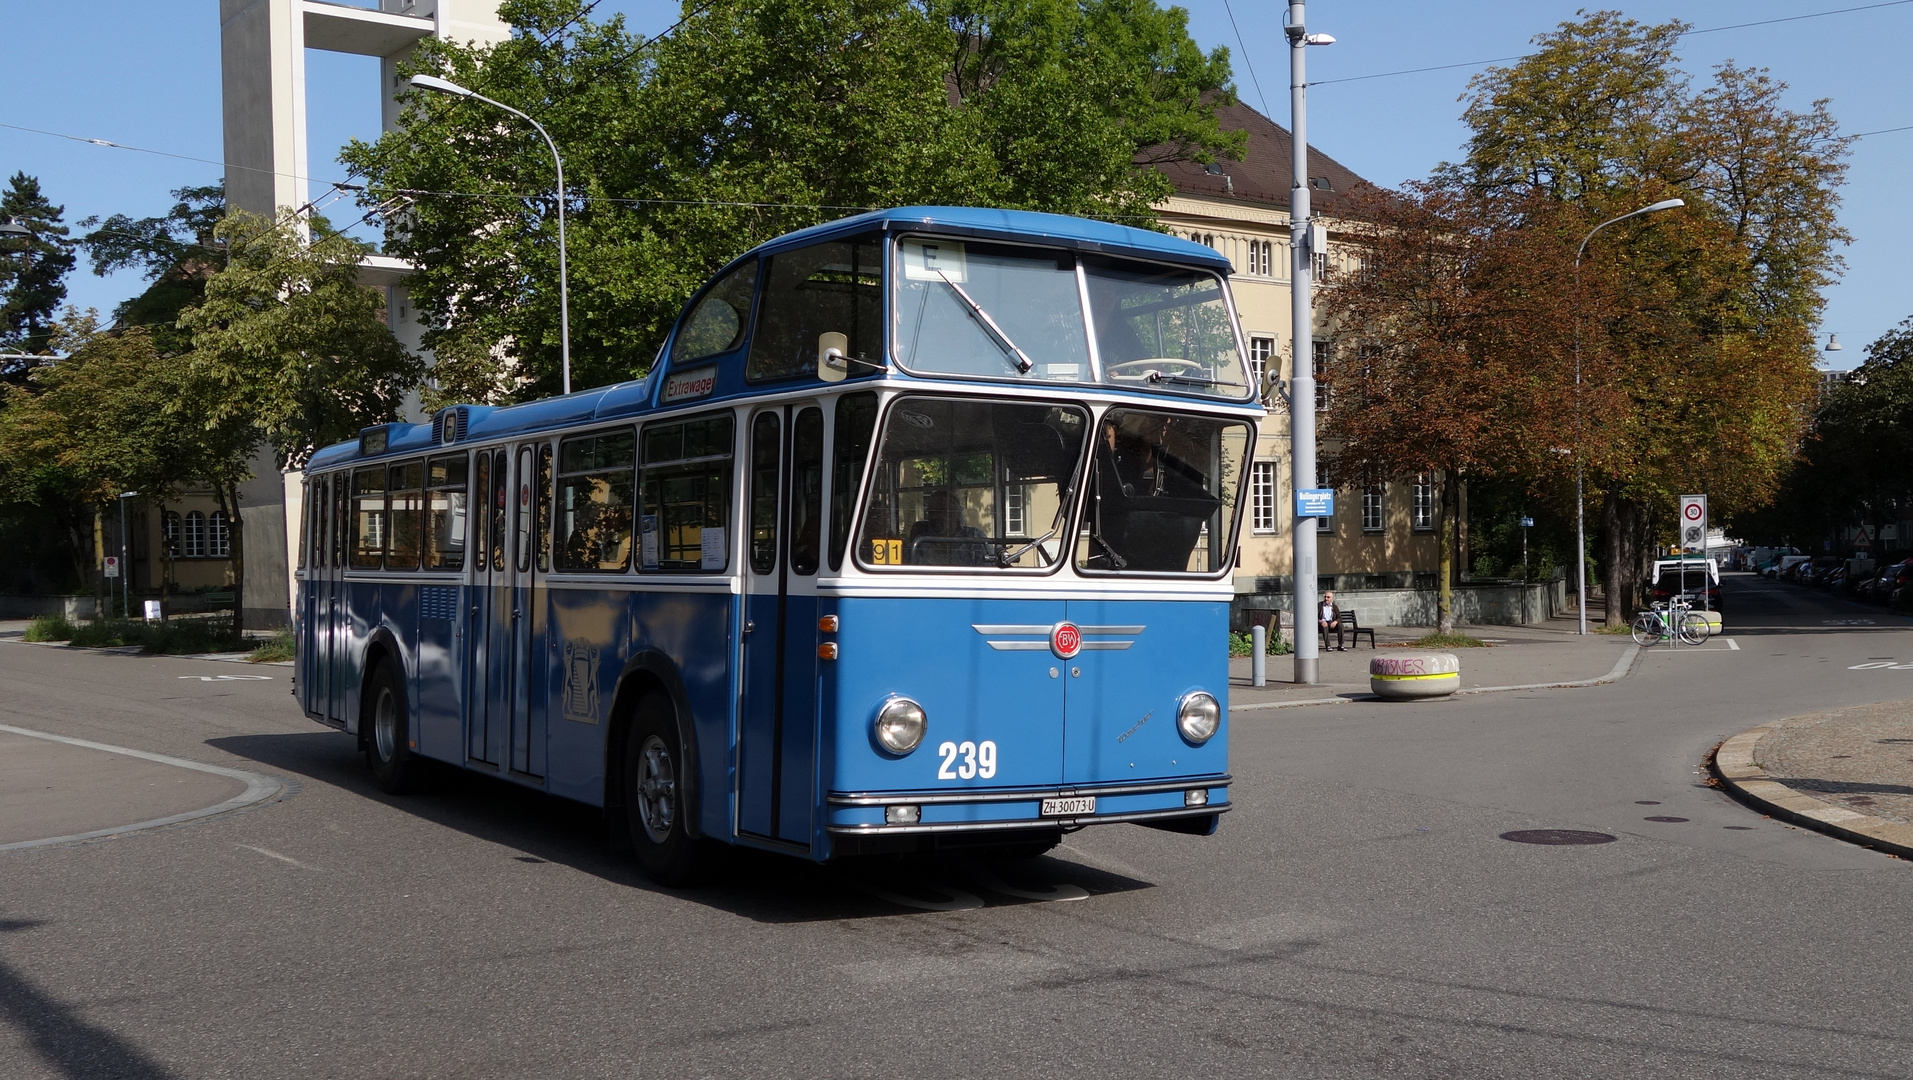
(219, 537)
(194, 542)
(169, 531)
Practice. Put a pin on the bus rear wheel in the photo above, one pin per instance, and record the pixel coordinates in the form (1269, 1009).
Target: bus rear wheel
(654, 804)
(387, 735)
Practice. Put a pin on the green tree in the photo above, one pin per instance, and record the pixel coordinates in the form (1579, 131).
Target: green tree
(748, 121)
(176, 252)
(33, 269)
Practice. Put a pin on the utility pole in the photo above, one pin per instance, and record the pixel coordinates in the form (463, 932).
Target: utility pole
(1308, 649)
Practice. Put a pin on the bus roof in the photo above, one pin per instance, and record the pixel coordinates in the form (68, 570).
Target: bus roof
(638, 395)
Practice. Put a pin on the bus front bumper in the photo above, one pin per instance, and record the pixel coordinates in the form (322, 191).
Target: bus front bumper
(906, 813)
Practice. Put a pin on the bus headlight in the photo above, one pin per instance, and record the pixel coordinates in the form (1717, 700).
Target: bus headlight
(1199, 717)
(900, 725)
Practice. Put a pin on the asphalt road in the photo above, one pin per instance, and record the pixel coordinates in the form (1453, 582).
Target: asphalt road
(1358, 915)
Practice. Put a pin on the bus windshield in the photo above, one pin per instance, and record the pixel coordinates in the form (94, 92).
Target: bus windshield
(973, 484)
(1162, 491)
(1005, 311)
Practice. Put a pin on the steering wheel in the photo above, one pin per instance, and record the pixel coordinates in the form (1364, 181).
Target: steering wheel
(1167, 365)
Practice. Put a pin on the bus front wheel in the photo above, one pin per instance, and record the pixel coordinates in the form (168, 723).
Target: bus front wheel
(653, 796)
(386, 732)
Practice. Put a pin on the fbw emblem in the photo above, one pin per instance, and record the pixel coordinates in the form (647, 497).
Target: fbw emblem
(1066, 640)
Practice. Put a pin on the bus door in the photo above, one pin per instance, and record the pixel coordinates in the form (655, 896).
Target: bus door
(331, 633)
(777, 713)
(500, 726)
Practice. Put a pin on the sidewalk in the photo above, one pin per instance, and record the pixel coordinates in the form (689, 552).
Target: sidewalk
(1546, 654)
(1846, 772)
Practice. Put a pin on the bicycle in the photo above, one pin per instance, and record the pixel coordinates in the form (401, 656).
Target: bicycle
(1658, 624)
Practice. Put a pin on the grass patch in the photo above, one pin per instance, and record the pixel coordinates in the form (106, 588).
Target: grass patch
(173, 637)
(1622, 629)
(1439, 640)
(48, 628)
(279, 647)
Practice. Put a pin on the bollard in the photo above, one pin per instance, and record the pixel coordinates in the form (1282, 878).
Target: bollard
(1259, 654)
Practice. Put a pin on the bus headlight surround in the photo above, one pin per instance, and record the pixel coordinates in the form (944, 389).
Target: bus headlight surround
(1199, 717)
(900, 725)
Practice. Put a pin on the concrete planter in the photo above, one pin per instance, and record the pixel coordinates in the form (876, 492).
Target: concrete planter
(1410, 675)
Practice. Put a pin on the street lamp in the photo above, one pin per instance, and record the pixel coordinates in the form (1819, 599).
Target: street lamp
(1302, 236)
(1580, 508)
(14, 228)
(443, 86)
(126, 568)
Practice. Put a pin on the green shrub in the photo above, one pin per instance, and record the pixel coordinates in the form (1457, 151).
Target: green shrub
(279, 647)
(49, 628)
(173, 637)
(1242, 644)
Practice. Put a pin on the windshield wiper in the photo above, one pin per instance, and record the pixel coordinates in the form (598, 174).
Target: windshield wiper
(1023, 363)
(1192, 380)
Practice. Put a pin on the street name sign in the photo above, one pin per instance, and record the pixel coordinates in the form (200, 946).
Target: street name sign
(1315, 502)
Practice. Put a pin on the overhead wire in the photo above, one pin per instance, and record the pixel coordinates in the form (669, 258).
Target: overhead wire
(1684, 33)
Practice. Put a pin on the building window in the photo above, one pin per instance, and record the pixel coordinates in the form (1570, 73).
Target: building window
(1262, 497)
(218, 536)
(1261, 354)
(193, 544)
(1320, 268)
(1425, 501)
(1321, 351)
(1323, 524)
(1262, 257)
(1372, 508)
(1015, 521)
(169, 531)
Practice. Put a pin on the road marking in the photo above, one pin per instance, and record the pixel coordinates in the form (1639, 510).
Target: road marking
(276, 855)
(259, 788)
(229, 678)
(1734, 645)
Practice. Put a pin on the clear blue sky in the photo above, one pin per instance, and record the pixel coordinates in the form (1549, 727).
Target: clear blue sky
(145, 73)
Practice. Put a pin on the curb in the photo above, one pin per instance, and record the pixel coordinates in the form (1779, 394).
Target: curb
(1732, 762)
(134, 650)
(259, 788)
(1621, 669)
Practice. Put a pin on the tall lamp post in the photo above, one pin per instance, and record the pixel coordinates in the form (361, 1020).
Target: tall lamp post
(443, 86)
(1308, 650)
(1580, 508)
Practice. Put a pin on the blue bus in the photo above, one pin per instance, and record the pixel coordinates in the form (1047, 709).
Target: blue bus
(918, 535)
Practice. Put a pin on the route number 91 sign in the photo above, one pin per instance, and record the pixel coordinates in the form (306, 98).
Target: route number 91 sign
(1694, 523)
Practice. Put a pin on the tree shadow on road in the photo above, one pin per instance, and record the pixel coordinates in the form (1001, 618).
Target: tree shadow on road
(757, 885)
(63, 1039)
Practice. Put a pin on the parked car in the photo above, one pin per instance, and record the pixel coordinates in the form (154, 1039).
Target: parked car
(1822, 568)
(1784, 564)
(1888, 581)
(1696, 580)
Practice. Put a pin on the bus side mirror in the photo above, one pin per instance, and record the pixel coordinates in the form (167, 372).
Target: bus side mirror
(832, 365)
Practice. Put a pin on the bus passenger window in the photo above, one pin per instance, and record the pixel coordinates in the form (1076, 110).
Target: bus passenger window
(806, 489)
(340, 515)
(481, 537)
(849, 454)
(717, 324)
(523, 517)
(445, 513)
(828, 288)
(766, 448)
(406, 484)
(685, 513)
(368, 518)
(307, 520)
(497, 500)
(594, 501)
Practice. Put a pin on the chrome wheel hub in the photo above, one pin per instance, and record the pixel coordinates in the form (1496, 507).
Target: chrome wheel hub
(656, 789)
(385, 724)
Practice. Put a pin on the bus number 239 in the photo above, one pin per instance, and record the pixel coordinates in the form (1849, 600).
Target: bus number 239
(962, 761)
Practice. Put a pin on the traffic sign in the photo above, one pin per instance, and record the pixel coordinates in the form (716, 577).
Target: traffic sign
(112, 566)
(1315, 502)
(1527, 523)
(1693, 523)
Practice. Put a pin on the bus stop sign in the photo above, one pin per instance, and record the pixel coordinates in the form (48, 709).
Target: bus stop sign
(1694, 522)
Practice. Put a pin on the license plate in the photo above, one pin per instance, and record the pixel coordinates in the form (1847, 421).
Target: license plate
(1082, 804)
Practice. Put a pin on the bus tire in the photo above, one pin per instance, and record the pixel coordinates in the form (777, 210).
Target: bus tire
(388, 747)
(654, 808)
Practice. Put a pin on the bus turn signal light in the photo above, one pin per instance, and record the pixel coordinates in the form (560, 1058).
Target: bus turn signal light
(828, 624)
(827, 651)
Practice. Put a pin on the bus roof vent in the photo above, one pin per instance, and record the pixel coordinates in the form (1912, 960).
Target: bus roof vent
(450, 424)
(373, 440)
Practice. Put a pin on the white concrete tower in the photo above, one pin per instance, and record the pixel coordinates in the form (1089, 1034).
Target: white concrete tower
(263, 47)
